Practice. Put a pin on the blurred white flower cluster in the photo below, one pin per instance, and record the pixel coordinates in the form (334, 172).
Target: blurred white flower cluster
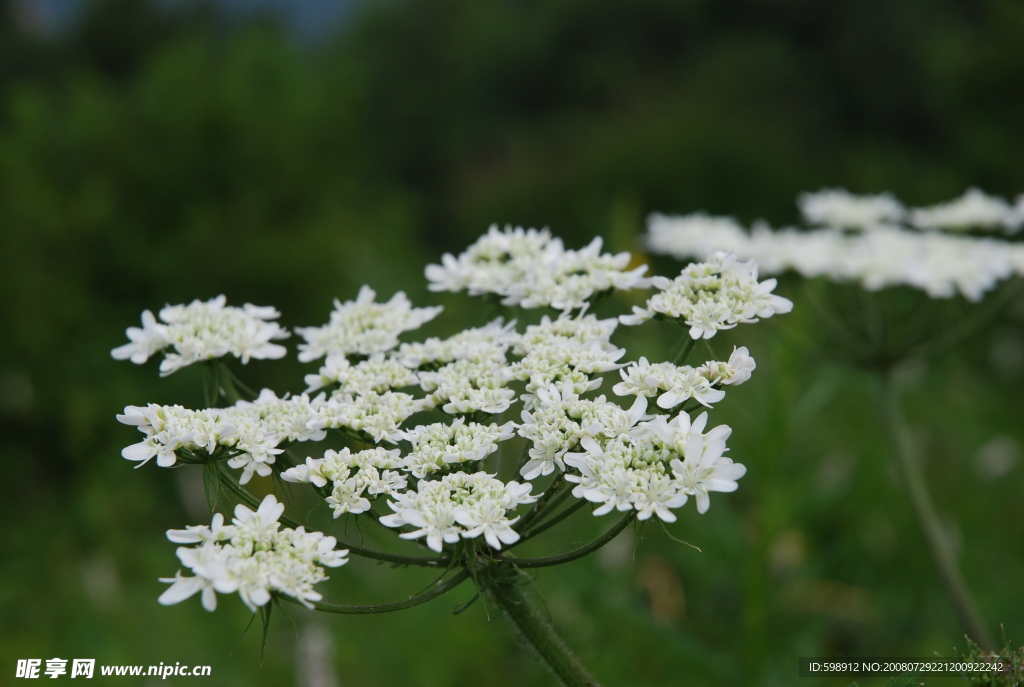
(204, 331)
(873, 240)
(252, 556)
(431, 430)
(532, 269)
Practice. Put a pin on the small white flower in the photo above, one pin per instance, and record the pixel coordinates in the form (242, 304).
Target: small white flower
(974, 209)
(204, 331)
(531, 269)
(254, 557)
(457, 506)
(840, 208)
(939, 263)
(363, 326)
(712, 295)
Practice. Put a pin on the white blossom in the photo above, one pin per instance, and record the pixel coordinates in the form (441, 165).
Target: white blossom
(354, 476)
(481, 344)
(379, 416)
(440, 446)
(940, 263)
(974, 209)
(531, 269)
(840, 208)
(657, 471)
(237, 433)
(204, 331)
(466, 386)
(460, 505)
(254, 557)
(712, 295)
(377, 373)
(363, 326)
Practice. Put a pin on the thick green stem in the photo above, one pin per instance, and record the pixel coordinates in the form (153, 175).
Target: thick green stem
(928, 518)
(537, 632)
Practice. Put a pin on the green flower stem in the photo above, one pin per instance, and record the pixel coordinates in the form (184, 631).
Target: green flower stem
(436, 589)
(576, 553)
(533, 628)
(557, 486)
(927, 516)
(243, 495)
(981, 316)
(684, 349)
(552, 521)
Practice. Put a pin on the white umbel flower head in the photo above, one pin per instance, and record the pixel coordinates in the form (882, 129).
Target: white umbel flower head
(943, 264)
(842, 209)
(655, 472)
(363, 326)
(371, 473)
(457, 506)
(238, 433)
(712, 295)
(529, 268)
(440, 446)
(204, 331)
(253, 557)
(973, 210)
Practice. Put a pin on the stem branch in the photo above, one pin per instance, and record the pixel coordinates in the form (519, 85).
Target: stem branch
(576, 553)
(927, 516)
(438, 588)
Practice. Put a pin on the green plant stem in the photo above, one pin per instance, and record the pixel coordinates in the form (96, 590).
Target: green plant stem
(684, 349)
(557, 486)
(927, 517)
(437, 589)
(552, 521)
(537, 632)
(576, 553)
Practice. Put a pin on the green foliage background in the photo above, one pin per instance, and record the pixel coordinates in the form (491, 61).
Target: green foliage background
(149, 157)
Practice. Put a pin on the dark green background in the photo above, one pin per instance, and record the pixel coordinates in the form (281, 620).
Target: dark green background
(149, 157)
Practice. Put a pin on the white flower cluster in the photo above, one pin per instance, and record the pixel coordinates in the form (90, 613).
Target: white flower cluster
(204, 331)
(840, 208)
(674, 384)
(709, 296)
(378, 416)
(248, 433)
(432, 470)
(882, 255)
(353, 476)
(559, 419)
(487, 343)
(440, 446)
(363, 327)
(674, 460)
(566, 351)
(531, 269)
(468, 386)
(377, 373)
(973, 210)
(252, 556)
(460, 506)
